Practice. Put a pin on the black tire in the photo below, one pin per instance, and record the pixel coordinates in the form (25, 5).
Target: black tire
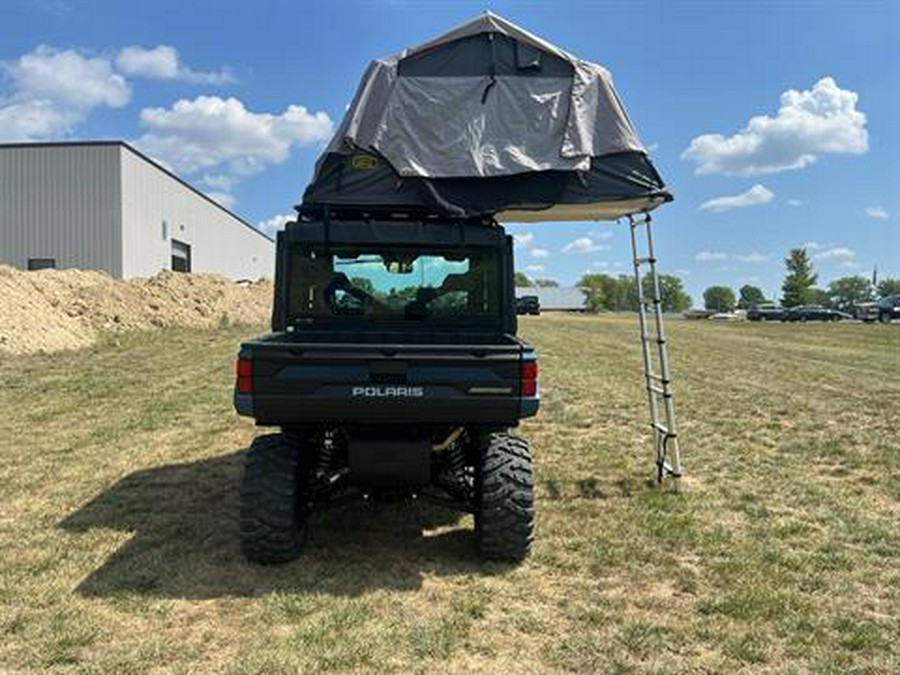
(884, 317)
(273, 512)
(504, 495)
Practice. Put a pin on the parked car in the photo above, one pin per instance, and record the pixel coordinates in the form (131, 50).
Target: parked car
(814, 313)
(889, 308)
(766, 312)
(866, 311)
(528, 304)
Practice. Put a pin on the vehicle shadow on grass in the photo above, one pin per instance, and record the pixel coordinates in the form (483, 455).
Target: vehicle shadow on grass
(184, 520)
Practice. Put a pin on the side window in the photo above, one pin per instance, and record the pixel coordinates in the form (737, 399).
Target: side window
(41, 264)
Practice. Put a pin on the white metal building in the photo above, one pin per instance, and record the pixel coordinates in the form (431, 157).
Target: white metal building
(105, 206)
(553, 298)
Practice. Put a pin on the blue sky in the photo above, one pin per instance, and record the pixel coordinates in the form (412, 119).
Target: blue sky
(240, 97)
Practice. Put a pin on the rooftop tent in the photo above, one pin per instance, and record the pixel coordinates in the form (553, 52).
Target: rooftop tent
(487, 121)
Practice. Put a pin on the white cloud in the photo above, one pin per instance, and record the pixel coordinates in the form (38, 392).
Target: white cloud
(68, 77)
(523, 239)
(223, 198)
(809, 123)
(601, 264)
(602, 235)
(54, 90)
(275, 223)
(754, 257)
(682, 272)
(838, 254)
(794, 202)
(535, 269)
(34, 120)
(163, 63)
(710, 256)
(812, 245)
(539, 253)
(758, 194)
(214, 133)
(219, 182)
(583, 245)
(877, 212)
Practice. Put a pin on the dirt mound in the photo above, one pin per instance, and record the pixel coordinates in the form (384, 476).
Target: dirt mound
(52, 310)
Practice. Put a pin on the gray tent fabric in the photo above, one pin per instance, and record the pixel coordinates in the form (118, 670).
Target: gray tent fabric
(486, 108)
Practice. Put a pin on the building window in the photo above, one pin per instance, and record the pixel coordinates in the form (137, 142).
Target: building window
(165, 230)
(42, 263)
(181, 256)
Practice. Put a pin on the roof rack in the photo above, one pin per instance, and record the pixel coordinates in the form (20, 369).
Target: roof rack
(307, 213)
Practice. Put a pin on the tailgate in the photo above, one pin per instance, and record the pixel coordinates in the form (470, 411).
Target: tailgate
(366, 383)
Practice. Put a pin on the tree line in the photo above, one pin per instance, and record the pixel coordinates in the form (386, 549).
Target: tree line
(799, 287)
(603, 292)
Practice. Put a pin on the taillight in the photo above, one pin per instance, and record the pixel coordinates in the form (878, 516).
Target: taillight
(244, 370)
(528, 372)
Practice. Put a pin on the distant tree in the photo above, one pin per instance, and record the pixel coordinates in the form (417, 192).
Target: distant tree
(671, 292)
(888, 287)
(546, 283)
(622, 297)
(800, 280)
(817, 296)
(750, 296)
(613, 294)
(719, 299)
(594, 288)
(847, 292)
(522, 281)
(364, 284)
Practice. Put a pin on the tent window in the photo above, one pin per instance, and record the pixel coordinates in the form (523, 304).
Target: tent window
(181, 256)
(41, 264)
(527, 57)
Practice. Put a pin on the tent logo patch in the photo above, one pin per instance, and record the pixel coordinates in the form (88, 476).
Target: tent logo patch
(364, 162)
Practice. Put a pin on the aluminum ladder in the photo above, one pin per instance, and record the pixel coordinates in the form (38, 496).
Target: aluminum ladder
(656, 371)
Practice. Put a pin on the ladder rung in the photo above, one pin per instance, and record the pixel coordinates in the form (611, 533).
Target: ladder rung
(663, 429)
(647, 338)
(658, 378)
(667, 468)
(643, 261)
(659, 390)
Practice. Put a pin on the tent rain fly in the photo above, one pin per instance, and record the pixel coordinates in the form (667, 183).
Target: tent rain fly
(487, 120)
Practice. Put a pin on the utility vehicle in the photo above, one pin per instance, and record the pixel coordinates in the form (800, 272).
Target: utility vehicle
(392, 369)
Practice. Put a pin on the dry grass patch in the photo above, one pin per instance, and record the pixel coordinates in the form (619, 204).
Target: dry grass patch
(118, 472)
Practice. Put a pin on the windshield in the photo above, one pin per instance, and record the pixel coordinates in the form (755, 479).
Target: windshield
(400, 285)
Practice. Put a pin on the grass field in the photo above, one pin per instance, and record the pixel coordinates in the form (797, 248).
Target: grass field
(118, 541)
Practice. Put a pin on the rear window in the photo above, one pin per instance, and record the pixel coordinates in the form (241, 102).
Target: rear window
(447, 287)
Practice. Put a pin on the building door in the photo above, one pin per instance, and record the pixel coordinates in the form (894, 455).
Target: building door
(181, 256)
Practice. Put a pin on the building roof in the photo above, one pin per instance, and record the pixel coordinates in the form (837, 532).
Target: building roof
(152, 162)
(564, 298)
